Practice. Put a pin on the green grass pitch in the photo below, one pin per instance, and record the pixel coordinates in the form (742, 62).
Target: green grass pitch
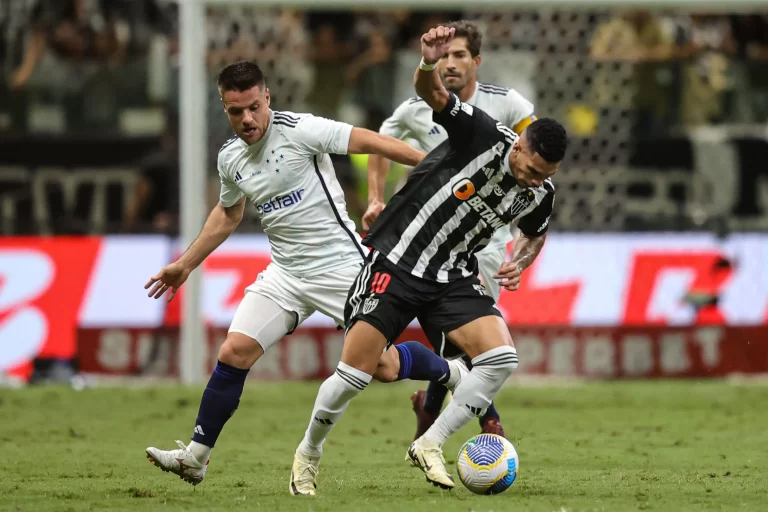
(676, 446)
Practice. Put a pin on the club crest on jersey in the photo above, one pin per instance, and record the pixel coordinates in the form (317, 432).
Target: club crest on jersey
(521, 202)
(370, 304)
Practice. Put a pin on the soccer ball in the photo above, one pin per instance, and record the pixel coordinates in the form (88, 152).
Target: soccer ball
(487, 464)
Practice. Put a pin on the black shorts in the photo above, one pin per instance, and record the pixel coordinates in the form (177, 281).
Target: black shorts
(443, 347)
(389, 298)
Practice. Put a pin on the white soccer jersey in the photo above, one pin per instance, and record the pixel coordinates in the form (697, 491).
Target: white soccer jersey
(289, 178)
(412, 121)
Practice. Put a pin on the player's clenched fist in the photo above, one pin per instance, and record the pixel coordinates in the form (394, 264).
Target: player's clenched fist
(171, 276)
(372, 213)
(509, 273)
(435, 43)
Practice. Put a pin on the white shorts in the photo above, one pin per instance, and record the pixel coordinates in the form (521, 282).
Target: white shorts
(278, 302)
(489, 261)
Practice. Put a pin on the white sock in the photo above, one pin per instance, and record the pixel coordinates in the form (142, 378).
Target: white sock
(475, 393)
(201, 452)
(454, 377)
(332, 399)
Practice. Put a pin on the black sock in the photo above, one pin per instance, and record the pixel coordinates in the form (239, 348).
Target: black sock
(220, 400)
(417, 362)
(433, 402)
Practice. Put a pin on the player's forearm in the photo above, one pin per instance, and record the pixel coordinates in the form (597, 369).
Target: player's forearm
(430, 89)
(367, 142)
(378, 167)
(221, 223)
(527, 248)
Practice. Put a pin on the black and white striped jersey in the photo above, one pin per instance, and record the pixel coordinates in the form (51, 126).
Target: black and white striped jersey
(456, 198)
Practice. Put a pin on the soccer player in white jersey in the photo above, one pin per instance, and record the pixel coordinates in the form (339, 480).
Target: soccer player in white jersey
(279, 162)
(412, 120)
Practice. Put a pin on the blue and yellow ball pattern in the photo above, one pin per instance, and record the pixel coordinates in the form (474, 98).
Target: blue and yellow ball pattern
(487, 464)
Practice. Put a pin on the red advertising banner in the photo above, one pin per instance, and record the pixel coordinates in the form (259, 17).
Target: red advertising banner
(42, 286)
(603, 353)
(51, 287)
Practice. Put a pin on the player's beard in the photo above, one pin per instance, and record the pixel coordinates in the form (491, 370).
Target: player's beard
(456, 89)
(457, 86)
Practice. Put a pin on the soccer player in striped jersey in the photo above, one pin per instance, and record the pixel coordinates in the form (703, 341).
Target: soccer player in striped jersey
(412, 120)
(422, 263)
(279, 162)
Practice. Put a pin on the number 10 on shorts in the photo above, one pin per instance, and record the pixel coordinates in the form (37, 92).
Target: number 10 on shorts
(380, 282)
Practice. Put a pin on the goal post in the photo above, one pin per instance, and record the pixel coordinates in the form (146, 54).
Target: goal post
(194, 99)
(193, 160)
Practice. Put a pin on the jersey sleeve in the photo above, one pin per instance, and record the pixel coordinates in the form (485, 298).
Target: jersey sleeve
(396, 125)
(462, 121)
(536, 223)
(318, 135)
(229, 193)
(520, 112)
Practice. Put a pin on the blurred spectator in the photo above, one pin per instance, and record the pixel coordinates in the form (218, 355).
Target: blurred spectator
(155, 204)
(66, 38)
(706, 43)
(372, 72)
(750, 33)
(329, 56)
(637, 38)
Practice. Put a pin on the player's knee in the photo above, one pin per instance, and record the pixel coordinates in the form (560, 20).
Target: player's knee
(240, 351)
(389, 366)
(499, 363)
(361, 345)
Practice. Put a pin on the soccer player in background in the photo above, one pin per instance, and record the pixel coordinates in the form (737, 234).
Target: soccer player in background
(413, 120)
(422, 263)
(279, 162)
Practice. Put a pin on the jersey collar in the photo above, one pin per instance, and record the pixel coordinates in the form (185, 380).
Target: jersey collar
(472, 98)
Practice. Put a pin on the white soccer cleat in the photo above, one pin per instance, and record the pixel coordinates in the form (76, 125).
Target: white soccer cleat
(181, 462)
(304, 474)
(458, 371)
(428, 456)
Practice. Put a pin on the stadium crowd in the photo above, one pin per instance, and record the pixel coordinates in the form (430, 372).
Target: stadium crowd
(110, 69)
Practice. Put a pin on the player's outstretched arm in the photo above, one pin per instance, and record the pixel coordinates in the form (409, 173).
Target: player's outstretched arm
(434, 44)
(221, 223)
(367, 142)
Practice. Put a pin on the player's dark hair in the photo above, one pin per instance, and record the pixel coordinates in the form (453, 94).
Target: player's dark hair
(240, 76)
(548, 138)
(470, 32)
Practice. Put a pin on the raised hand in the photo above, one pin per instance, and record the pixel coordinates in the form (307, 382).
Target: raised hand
(435, 43)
